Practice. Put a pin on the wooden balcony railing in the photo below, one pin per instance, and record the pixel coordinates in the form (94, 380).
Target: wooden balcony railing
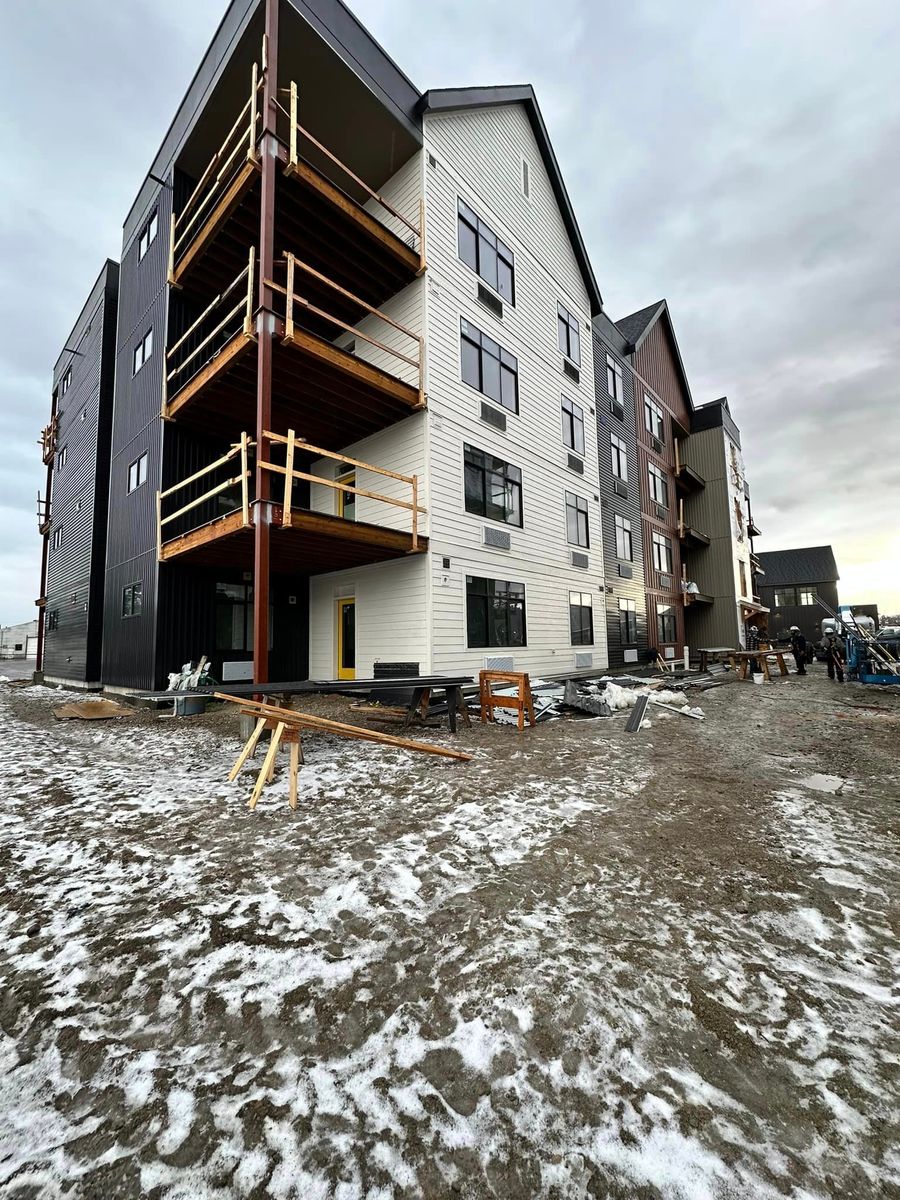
(239, 450)
(43, 515)
(48, 440)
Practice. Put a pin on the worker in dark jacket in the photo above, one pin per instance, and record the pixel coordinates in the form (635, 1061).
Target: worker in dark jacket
(834, 656)
(798, 646)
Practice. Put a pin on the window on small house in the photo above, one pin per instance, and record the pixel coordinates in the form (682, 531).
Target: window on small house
(568, 334)
(482, 251)
(662, 553)
(577, 530)
(793, 597)
(653, 418)
(581, 618)
(665, 622)
(619, 457)
(66, 381)
(62, 458)
(614, 384)
(495, 612)
(57, 537)
(137, 472)
(148, 235)
(52, 620)
(132, 599)
(627, 622)
(493, 488)
(234, 616)
(487, 367)
(659, 485)
(346, 501)
(142, 351)
(573, 425)
(624, 546)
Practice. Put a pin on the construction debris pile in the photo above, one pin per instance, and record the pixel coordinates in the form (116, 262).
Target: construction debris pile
(604, 697)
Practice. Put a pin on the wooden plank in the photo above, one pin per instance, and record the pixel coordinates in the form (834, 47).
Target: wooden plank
(351, 531)
(230, 200)
(248, 749)
(222, 361)
(341, 458)
(365, 373)
(288, 478)
(221, 527)
(292, 777)
(267, 767)
(333, 484)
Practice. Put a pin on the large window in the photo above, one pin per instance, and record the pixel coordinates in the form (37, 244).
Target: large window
(662, 553)
(66, 381)
(619, 457)
(148, 235)
(62, 458)
(665, 622)
(624, 547)
(142, 351)
(137, 472)
(234, 616)
(573, 425)
(482, 250)
(493, 488)
(495, 612)
(653, 418)
(577, 531)
(52, 620)
(659, 486)
(627, 622)
(132, 599)
(614, 384)
(569, 335)
(581, 618)
(487, 367)
(795, 597)
(57, 537)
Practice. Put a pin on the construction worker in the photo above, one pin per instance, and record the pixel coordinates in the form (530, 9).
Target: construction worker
(798, 646)
(834, 656)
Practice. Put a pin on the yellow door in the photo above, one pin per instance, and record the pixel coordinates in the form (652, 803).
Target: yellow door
(346, 639)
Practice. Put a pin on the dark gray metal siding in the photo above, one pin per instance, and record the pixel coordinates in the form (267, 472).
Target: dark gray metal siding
(808, 617)
(612, 504)
(79, 491)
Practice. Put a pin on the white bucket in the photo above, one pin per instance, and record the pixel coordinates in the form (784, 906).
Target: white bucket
(758, 677)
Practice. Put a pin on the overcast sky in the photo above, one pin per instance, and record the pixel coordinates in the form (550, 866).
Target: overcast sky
(739, 159)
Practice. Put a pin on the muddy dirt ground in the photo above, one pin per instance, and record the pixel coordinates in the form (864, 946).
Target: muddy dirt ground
(587, 964)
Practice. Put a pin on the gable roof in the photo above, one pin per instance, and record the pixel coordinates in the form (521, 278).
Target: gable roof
(635, 328)
(809, 564)
(446, 100)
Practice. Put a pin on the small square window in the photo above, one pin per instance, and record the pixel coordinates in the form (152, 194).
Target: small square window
(148, 235)
(142, 351)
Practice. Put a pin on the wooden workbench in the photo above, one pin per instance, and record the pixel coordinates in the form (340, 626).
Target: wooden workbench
(740, 661)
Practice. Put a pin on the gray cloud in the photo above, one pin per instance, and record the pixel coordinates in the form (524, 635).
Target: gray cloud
(738, 159)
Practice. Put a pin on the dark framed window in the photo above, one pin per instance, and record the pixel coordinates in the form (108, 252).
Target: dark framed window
(581, 618)
(66, 381)
(662, 553)
(142, 351)
(794, 597)
(619, 457)
(659, 485)
(52, 620)
(487, 367)
(577, 530)
(665, 622)
(624, 547)
(62, 458)
(132, 599)
(495, 612)
(234, 616)
(483, 251)
(627, 622)
(57, 537)
(568, 332)
(137, 472)
(614, 384)
(653, 418)
(148, 234)
(493, 488)
(573, 425)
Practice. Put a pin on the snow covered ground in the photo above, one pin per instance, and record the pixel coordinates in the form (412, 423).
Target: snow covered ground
(587, 964)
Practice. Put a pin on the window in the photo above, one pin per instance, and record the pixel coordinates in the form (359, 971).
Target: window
(526, 180)
(619, 457)
(66, 380)
(624, 548)
(487, 367)
(581, 618)
(577, 532)
(573, 425)
(142, 351)
(57, 537)
(567, 329)
(346, 501)
(662, 553)
(627, 622)
(482, 250)
(234, 616)
(614, 383)
(132, 599)
(493, 488)
(62, 457)
(148, 235)
(794, 597)
(137, 472)
(665, 622)
(653, 418)
(659, 487)
(52, 620)
(495, 612)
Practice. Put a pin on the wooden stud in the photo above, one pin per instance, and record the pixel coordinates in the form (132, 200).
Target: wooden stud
(248, 315)
(294, 106)
(158, 525)
(254, 87)
(245, 481)
(248, 750)
(422, 263)
(171, 270)
(289, 300)
(295, 763)
(415, 513)
(288, 479)
(268, 765)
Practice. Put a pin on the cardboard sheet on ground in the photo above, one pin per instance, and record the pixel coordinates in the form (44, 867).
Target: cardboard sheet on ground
(90, 710)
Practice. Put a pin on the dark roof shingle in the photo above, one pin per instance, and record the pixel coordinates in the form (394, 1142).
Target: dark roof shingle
(633, 326)
(809, 564)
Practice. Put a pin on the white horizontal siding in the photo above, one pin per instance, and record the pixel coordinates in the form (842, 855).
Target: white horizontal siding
(406, 309)
(402, 192)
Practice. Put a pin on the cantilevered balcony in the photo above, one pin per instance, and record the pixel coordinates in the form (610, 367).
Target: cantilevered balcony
(214, 527)
(687, 480)
(690, 537)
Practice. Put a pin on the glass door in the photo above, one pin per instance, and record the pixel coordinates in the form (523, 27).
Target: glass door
(346, 639)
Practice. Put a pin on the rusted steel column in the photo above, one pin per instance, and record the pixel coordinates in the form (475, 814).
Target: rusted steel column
(48, 499)
(265, 324)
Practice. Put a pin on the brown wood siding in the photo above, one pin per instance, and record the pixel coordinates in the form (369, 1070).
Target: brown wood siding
(656, 362)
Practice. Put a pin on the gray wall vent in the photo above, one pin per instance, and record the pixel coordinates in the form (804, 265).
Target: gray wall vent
(580, 560)
(576, 464)
(498, 538)
(617, 410)
(490, 301)
(571, 371)
(625, 571)
(499, 662)
(493, 416)
(665, 581)
(583, 661)
(620, 488)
